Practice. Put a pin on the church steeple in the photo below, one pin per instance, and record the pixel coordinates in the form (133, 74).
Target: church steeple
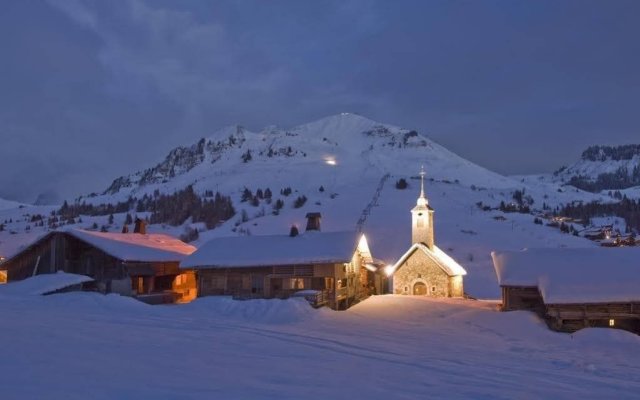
(422, 218)
(422, 201)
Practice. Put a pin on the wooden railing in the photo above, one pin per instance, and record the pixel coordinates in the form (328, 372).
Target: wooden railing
(319, 299)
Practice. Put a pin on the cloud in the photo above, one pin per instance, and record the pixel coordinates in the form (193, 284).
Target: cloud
(108, 88)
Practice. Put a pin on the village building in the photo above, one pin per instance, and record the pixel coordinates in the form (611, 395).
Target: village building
(335, 269)
(425, 270)
(137, 264)
(573, 289)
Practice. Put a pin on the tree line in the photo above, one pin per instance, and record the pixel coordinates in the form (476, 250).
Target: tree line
(627, 209)
(619, 179)
(173, 209)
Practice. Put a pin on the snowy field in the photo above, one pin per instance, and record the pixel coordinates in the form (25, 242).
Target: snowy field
(85, 345)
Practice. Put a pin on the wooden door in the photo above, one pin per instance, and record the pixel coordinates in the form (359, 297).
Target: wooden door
(419, 289)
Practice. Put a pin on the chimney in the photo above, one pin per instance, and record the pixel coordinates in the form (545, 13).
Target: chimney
(140, 226)
(125, 228)
(313, 221)
(294, 231)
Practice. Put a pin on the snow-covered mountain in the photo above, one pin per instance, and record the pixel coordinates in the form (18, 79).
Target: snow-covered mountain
(344, 166)
(603, 168)
(333, 151)
(9, 204)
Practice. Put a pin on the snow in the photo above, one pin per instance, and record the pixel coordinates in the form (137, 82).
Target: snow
(151, 247)
(565, 276)
(270, 250)
(42, 284)
(448, 264)
(79, 345)
(8, 204)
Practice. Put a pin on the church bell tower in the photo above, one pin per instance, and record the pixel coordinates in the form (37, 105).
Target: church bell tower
(422, 218)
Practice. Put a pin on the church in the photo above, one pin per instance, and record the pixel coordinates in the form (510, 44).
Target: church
(425, 270)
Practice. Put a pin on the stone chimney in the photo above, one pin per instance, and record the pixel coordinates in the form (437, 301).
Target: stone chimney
(140, 226)
(313, 221)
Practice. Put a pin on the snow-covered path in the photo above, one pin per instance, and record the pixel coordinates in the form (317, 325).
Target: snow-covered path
(86, 345)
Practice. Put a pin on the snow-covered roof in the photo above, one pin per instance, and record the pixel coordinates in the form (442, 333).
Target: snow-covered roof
(136, 247)
(43, 284)
(581, 275)
(448, 264)
(253, 251)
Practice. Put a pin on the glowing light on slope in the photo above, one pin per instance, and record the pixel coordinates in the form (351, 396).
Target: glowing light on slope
(330, 161)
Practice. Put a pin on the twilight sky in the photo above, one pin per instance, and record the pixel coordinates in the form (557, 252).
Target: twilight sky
(90, 90)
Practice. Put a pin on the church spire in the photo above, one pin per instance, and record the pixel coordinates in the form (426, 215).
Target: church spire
(422, 200)
(422, 218)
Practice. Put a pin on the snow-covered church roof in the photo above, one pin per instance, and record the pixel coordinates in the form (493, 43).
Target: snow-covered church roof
(448, 264)
(136, 247)
(564, 276)
(278, 250)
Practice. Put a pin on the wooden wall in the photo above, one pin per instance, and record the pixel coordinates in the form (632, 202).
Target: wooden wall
(572, 317)
(23, 265)
(60, 251)
(522, 298)
(343, 284)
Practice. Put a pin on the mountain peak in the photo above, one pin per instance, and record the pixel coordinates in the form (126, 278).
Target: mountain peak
(346, 117)
(341, 123)
(227, 131)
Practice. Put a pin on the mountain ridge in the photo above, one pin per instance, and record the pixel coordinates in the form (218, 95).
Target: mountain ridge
(604, 168)
(340, 139)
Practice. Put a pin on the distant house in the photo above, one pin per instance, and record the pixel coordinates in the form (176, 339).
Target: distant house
(598, 233)
(330, 268)
(134, 264)
(425, 270)
(573, 288)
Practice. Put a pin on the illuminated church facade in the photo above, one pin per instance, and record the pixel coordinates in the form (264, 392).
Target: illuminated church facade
(425, 270)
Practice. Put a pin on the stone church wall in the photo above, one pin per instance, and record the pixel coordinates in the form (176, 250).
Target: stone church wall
(421, 268)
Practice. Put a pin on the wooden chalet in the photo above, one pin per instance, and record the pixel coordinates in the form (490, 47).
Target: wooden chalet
(573, 288)
(329, 268)
(137, 264)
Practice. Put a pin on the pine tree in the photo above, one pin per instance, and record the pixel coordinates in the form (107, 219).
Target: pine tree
(246, 195)
(299, 202)
(401, 184)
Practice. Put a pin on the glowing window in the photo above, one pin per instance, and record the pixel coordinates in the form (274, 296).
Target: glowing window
(3, 276)
(612, 322)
